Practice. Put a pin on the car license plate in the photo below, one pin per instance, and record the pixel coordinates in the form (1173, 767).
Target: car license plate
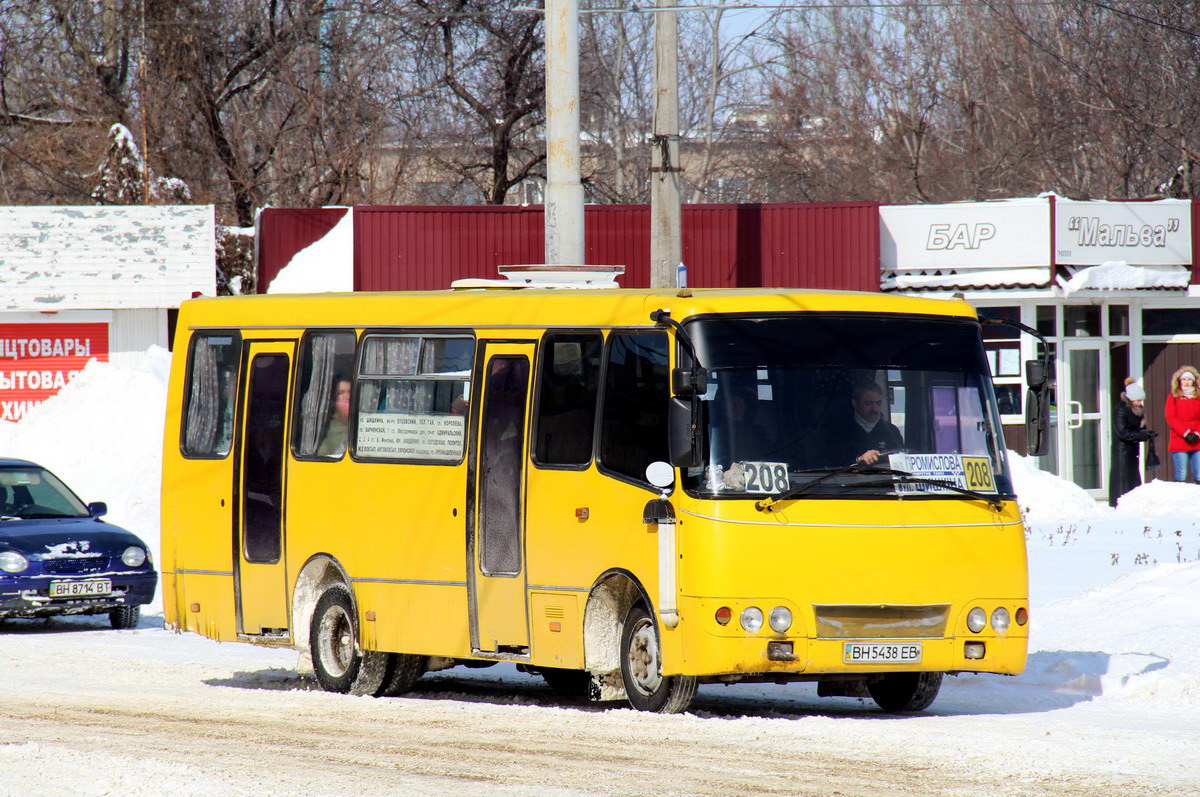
(80, 589)
(880, 652)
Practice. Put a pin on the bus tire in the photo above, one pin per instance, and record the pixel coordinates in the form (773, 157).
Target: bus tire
(333, 640)
(567, 684)
(646, 687)
(404, 670)
(905, 691)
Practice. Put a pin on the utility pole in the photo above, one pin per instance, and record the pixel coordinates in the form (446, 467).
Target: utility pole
(564, 192)
(666, 228)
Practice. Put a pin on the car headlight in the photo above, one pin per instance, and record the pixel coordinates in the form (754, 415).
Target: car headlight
(976, 620)
(781, 619)
(13, 562)
(134, 556)
(752, 619)
(1000, 620)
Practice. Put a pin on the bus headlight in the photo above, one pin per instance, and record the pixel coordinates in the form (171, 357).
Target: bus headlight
(781, 619)
(1000, 620)
(752, 619)
(133, 556)
(976, 620)
(13, 562)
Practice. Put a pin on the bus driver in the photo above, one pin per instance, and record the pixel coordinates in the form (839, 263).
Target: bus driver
(871, 434)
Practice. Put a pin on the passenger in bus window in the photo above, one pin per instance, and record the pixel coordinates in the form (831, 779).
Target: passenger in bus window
(871, 435)
(333, 442)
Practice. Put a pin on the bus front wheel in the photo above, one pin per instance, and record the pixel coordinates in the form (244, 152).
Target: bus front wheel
(641, 668)
(333, 640)
(905, 691)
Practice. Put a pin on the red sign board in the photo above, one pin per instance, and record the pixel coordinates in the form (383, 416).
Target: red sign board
(37, 360)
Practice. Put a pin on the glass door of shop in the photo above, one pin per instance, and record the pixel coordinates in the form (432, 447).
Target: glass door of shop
(1082, 412)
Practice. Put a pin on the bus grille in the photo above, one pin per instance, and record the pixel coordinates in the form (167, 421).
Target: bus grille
(75, 566)
(881, 622)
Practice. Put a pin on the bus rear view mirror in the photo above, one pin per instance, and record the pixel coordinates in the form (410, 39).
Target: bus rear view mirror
(1037, 421)
(683, 432)
(689, 381)
(1035, 373)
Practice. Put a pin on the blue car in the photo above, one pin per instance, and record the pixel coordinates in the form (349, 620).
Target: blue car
(58, 557)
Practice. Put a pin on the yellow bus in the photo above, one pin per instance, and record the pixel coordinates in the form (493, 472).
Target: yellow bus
(628, 492)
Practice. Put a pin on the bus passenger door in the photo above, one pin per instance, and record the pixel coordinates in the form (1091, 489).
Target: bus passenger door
(497, 541)
(260, 567)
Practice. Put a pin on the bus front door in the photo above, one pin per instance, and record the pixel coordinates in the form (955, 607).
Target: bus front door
(497, 567)
(260, 567)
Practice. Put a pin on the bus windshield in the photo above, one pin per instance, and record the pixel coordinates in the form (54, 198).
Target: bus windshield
(798, 399)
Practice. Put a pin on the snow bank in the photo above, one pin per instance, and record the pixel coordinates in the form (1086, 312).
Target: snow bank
(102, 435)
(1045, 497)
(324, 265)
(1133, 638)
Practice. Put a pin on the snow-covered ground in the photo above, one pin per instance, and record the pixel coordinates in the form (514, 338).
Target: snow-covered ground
(1109, 704)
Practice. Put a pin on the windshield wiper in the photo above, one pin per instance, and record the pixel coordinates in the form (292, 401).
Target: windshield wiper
(857, 467)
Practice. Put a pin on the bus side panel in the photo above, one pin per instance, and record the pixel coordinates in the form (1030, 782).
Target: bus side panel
(196, 522)
(566, 552)
(428, 620)
(399, 531)
(206, 605)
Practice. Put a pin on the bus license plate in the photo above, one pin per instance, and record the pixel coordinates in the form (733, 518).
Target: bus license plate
(80, 589)
(880, 652)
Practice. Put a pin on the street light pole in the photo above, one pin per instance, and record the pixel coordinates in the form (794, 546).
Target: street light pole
(666, 228)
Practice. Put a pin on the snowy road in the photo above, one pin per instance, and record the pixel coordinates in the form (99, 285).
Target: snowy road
(95, 711)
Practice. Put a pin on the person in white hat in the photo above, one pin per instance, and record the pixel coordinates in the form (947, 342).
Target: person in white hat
(1129, 432)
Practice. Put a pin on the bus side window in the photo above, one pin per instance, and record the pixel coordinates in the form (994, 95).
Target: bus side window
(566, 398)
(325, 374)
(633, 421)
(210, 395)
(412, 397)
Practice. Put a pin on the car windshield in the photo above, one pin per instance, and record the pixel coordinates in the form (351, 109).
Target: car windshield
(793, 399)
(32, 492)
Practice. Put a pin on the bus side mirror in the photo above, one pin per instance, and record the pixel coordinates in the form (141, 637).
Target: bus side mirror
(689, 381)
(1035, 373)
(683, 432)
(1037, 421)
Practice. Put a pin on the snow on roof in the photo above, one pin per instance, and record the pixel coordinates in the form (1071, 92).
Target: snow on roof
(1117, 275)
(105, 257)
(965, 278)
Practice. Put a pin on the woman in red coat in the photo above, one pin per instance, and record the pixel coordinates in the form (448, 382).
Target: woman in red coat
(1183, 417)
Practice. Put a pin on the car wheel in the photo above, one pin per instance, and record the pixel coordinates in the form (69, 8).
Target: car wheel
(906, 691)
(641, 669)
(333, 641)
(569, 684)
(124, 617)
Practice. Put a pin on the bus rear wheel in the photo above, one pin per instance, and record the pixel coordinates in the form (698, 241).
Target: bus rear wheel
(641, 669)
(333, 640)
(906, 691)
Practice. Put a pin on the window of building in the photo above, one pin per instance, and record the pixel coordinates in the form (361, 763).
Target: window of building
(413, 393)
(1081, 321)
(210, 394)
(1003, 348)
(1170, 321)
(633, 421)
(321, 413)
(566, 400)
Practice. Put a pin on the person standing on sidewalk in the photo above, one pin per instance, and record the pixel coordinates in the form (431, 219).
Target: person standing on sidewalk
(1129, 432)
(1182, 412)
